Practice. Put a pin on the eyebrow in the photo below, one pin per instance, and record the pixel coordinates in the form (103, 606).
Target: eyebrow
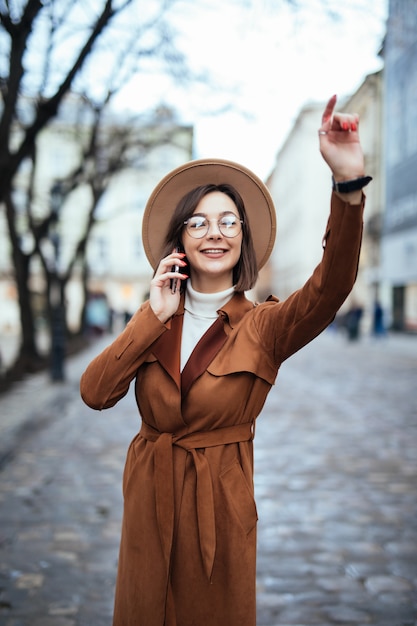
(220, 214)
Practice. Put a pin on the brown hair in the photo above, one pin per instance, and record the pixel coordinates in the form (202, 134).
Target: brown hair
(245, 271)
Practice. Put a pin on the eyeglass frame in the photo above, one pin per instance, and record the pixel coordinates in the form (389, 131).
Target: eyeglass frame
(213, 219)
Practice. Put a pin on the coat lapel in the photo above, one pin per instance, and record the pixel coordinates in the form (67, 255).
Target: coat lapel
(203, 353)
(167, 349)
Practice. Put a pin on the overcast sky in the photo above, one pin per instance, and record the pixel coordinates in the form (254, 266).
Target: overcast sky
(272, 60)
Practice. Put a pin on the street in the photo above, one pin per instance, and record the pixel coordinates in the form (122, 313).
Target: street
(335, 480)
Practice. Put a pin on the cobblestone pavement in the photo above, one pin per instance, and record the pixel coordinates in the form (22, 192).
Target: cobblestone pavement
(336, 478)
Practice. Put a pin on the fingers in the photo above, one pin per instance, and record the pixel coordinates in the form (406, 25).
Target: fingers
(346, 122)
(163, 296)
(167, 264)
(169, 269)
(328, 111)
(337, 121)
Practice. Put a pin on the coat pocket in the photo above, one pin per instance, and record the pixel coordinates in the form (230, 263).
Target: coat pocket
(239, 496)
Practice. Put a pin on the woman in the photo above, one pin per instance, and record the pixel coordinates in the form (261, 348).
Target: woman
(204, 358)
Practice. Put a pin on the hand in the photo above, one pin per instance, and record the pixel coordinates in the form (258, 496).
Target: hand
(339, 143)
(163, 302)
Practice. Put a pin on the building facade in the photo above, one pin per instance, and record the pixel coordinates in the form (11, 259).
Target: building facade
(399, 235)
(371, 291)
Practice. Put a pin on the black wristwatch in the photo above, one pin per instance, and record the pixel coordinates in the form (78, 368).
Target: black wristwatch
(346, 186)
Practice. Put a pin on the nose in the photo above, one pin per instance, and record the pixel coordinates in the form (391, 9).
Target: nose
(214, 231)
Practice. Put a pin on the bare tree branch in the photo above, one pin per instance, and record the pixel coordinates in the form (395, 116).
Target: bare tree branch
(49, 108)
(19, 34)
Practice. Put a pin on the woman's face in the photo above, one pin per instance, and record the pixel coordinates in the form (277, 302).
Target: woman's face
(212, 258)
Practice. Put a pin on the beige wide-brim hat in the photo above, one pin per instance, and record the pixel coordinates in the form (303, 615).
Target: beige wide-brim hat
(169, 191)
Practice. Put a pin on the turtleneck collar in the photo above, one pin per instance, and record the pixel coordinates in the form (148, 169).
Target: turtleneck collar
(206, 305)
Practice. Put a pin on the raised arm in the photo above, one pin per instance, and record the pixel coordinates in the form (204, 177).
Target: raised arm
(287, 326)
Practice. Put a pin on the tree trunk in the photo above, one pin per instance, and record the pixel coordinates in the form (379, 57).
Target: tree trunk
(28, 358)
(58, 327)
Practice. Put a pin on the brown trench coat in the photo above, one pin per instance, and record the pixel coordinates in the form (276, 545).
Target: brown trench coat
(188, 545)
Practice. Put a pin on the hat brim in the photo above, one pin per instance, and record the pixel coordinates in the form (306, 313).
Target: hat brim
(169, 191)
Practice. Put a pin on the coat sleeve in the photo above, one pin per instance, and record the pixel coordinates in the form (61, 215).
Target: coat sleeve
(285, 327)
(107, 378)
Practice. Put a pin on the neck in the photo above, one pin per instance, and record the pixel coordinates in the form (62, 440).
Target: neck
(199, 298)
(208, 284)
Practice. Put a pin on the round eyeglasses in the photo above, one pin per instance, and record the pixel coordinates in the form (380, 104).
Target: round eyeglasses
(197, 226)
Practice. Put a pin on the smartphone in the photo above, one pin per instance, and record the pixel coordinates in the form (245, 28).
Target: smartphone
(174, 281)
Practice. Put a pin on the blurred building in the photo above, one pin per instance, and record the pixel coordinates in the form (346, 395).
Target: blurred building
(386, 103)
(117, 262)
(399, 235)
(300, 184)
(371, 286)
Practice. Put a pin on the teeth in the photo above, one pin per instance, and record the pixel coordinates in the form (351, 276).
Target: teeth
(212, 251)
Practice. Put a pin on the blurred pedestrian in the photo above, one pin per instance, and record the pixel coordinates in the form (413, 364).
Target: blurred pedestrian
(378, 325)
(203, 359)
(353, 322)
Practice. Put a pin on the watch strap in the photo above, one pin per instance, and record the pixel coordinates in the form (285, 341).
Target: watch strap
(346, 186)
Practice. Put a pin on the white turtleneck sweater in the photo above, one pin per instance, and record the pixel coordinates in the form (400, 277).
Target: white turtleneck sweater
(199, 314)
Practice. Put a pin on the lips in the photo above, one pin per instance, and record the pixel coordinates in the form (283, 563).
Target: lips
(214, 251)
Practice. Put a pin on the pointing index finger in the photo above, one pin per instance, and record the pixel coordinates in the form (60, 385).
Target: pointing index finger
(328, 111)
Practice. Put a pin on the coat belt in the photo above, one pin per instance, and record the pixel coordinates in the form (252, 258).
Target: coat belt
(192, 442)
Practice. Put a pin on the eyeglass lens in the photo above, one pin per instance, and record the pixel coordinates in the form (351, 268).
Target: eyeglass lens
(197, 226)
